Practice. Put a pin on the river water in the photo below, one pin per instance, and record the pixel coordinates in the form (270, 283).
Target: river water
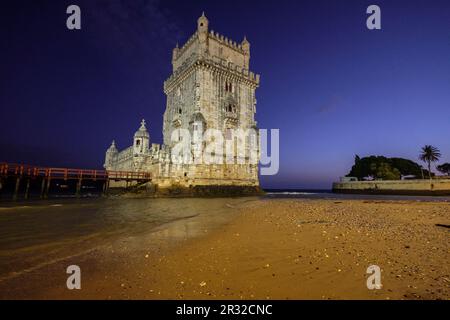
(33, 234)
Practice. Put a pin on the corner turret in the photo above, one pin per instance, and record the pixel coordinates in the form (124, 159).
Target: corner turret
(202, 24)
(141, 140)
(111, 153)
(246, 48)
(175, 53)
(202, 30)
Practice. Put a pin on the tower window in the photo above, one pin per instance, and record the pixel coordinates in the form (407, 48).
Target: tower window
(228, 87)
(138, 142)
(231, 108)
(179, 111)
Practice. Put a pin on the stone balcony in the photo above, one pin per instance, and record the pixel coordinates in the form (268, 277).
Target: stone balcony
(231, 115)
(176, 122)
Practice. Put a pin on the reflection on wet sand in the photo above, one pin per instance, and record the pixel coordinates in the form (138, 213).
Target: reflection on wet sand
(38, 233)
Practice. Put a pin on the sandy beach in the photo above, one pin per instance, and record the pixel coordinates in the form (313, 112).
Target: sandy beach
(268, 249)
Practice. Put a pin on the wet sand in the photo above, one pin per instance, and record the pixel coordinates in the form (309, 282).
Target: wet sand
(270, 249)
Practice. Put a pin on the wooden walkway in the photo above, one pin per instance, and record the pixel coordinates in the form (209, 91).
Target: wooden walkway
(46, 174)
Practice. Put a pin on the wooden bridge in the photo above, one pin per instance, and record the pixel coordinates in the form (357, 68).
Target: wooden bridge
(45, 174)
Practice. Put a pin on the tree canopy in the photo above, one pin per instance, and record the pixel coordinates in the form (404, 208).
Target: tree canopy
(379, 167)
(428, 155)
(444, 168)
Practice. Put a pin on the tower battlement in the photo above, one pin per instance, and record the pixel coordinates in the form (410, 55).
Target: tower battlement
(227, 42)
(211, 45)
(223, 40)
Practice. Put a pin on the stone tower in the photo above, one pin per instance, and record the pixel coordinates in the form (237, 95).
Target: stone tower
(211, 85)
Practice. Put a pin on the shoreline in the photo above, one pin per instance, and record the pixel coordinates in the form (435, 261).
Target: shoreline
(269, 194)
(412, 193)
(271, 249)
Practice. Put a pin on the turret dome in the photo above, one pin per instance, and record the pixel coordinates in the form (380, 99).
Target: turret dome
(142, 132)
(112, 148)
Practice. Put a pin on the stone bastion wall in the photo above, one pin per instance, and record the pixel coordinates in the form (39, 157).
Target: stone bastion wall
(413, 187)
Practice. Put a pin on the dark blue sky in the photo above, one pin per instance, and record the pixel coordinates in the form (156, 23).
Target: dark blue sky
(332, 87)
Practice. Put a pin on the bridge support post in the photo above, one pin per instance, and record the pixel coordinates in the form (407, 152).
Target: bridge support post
(106, 187)
(42, 188)
(27, 190)
(16, 189)
(78, 192)
(47, 190)
(2, 182)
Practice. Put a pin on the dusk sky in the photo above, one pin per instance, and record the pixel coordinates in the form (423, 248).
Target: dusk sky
(332, 87)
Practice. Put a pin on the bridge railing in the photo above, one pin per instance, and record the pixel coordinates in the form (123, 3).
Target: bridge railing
(129, 175)
(22, 170)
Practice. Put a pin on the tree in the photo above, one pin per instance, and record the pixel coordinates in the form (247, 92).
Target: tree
(444, 168)
(429, 154)
(386, 172)
(406, 167)
(380, 167)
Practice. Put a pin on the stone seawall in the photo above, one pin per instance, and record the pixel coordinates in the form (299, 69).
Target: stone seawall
(150, 190)
(406, 187)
